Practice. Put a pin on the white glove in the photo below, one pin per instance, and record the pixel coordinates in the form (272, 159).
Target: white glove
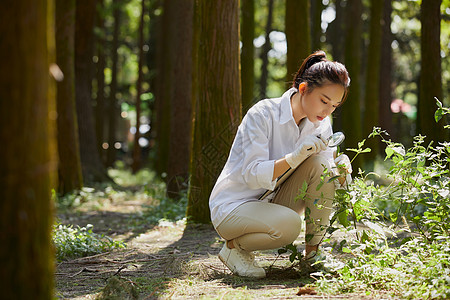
(311, 145)
(343, 163)
(344, 168)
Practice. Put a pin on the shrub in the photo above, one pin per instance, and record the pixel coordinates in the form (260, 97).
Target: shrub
(77, 242)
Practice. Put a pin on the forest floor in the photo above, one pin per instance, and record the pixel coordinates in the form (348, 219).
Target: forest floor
(168, 261)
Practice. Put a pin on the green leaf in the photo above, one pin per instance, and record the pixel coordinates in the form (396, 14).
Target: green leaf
(346, 250)
(343, 218)
(438, 114)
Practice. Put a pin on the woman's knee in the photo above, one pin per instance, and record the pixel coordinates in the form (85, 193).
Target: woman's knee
(288, 226)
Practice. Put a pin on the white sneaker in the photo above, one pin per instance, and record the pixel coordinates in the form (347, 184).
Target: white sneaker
(241, 262)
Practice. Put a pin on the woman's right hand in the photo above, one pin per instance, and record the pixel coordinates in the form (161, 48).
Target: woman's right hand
(312, 144)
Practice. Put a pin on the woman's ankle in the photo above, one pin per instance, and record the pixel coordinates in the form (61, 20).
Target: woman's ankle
(230, 244)
(310, 248)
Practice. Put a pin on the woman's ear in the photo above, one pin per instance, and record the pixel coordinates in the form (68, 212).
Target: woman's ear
(302, 87)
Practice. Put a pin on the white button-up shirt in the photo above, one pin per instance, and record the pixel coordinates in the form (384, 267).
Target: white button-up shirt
(267, 133)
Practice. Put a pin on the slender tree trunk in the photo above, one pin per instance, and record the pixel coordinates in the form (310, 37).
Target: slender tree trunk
(165, 86)
(265, 53)
(29, 154)
(336, 35)
(68, 144)
(298, 35)
(351, 110)
(113, 114)
(137, 153)
(181, 102)
(216, 98)
(336, 32)
(92, 167)
(385, 113)
(153, 61)
(316, 24)
(101, 65)
(430, 73)
(247, 53)
(372, 94)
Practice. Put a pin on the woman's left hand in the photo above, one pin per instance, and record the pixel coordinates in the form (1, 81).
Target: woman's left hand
(343, 164)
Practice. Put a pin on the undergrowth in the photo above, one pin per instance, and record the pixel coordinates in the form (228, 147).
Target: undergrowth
(74, 242)
(403, 250)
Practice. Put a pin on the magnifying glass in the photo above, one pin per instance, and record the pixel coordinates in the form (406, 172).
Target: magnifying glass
(335, 139)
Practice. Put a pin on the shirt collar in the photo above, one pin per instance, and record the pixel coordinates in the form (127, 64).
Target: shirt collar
(286, 108)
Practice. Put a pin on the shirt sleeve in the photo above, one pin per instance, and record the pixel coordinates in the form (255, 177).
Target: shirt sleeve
(256, 168)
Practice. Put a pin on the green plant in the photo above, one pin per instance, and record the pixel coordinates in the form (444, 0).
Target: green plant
(76, 242)
(404, 250)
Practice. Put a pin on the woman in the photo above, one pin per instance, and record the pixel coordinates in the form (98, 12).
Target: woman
(274, 136)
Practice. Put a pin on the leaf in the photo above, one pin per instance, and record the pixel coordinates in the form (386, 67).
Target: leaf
(394, 217)
(346, 250)
(282, 250)
(343, 218)
(438, 114)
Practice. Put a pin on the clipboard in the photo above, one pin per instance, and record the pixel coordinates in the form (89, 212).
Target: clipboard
(280, 180)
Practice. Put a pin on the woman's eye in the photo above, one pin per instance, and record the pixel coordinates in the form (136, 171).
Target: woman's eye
(323, 101)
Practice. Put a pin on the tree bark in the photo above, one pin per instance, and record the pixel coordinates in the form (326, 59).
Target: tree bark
(351, 110)
(430, 73)
(298, 35)
(92, 167)
(336, 31)
(29, 155)
(137, 153)
(264, 54)
(68, 143)
(247, 53)
(385, 113)
(316, 25)
(181, 102)
(113, 111)
(216, 98)
(100, 73)
(372, 90)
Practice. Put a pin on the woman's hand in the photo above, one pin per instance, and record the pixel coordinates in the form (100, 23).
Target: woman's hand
(344, 168)
(312, 144)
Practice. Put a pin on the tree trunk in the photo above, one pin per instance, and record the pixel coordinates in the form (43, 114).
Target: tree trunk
(68, 144)
(216, 98)
(430, 73)
(92, 167)
(336, 31)
(153, 62)
(385, 113)
(165, 85)
(247, 53)
(29, 154)
(137, 153)
(316, 24)
(298, 35)
(351, 110)
(264, 54)
(101, 65)
(373, 77)
(113, 110)
(181, 102)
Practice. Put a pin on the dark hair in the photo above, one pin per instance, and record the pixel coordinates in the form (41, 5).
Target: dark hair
(316, 70)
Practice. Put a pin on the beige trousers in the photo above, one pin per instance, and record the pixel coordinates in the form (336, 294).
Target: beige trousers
(260, 225)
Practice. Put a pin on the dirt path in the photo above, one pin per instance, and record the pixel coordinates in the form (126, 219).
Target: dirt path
(169, 261)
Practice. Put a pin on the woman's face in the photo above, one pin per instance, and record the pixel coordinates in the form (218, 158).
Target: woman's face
(321, 101)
